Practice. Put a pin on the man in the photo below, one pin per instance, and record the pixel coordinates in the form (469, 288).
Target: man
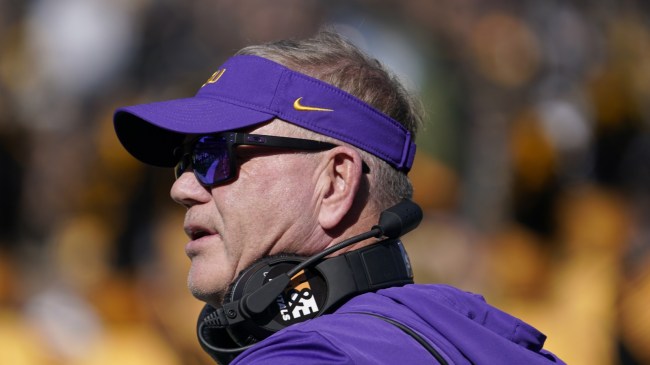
(287, 150)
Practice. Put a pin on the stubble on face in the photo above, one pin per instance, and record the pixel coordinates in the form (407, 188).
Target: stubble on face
(211, 268)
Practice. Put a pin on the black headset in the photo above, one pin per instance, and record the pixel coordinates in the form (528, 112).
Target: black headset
(277, 292)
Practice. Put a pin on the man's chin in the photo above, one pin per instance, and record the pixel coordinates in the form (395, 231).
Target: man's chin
(210, 295)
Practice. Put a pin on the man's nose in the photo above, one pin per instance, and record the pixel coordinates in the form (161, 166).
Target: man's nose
(187, 191)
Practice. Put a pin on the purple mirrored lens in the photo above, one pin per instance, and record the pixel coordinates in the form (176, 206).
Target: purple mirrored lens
(211, 160)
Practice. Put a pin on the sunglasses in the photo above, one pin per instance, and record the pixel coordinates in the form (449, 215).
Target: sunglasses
(213, 160)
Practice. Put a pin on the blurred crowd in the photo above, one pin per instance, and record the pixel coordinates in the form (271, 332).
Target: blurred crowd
(533, 166)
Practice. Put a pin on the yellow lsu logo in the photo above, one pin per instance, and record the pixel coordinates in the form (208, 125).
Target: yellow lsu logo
(215, 77)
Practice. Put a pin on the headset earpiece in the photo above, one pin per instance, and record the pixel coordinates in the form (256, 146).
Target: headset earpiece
(311, 292)
(303, 299)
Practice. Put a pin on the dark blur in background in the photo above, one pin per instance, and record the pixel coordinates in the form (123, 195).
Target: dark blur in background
(533, 169)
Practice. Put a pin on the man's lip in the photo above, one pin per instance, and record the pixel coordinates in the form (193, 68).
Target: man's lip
(198, 242)
(195, 233)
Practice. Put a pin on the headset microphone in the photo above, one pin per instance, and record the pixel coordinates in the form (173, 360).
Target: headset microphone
(306, 288)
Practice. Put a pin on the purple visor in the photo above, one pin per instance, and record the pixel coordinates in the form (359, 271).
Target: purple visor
(250, 90)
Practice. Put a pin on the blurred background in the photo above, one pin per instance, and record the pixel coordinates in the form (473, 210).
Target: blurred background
(533, 168)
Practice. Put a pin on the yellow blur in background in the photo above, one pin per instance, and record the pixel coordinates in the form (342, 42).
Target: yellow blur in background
(532, 167)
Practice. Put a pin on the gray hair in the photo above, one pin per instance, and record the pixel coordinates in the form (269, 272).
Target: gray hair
(331, 58)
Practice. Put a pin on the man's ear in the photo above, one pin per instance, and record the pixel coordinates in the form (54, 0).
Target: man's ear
(340, 181)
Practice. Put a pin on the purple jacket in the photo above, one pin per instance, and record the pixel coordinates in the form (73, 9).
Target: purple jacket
(461, 326)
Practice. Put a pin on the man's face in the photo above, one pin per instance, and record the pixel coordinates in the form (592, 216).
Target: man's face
(268, 209)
